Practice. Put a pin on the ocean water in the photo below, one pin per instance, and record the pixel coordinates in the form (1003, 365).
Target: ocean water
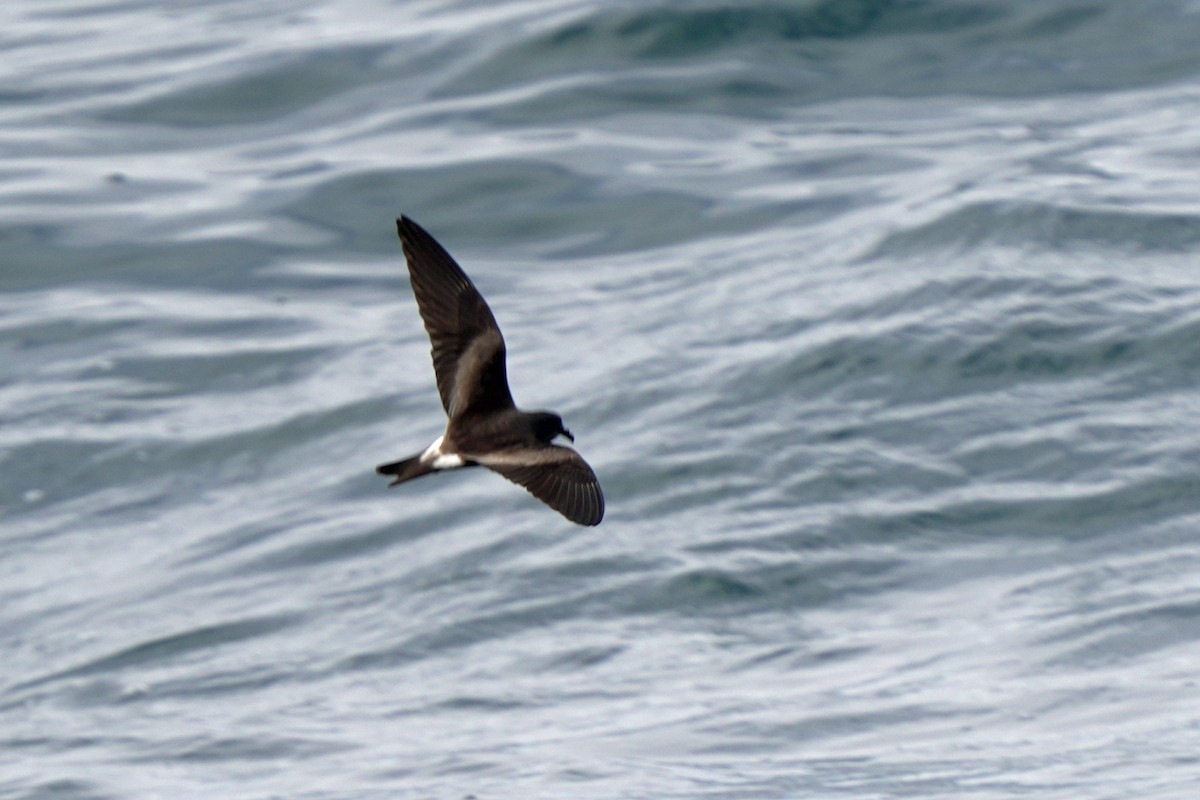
(879, 321)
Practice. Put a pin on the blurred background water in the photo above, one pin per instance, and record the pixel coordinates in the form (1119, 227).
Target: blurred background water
(879, 320)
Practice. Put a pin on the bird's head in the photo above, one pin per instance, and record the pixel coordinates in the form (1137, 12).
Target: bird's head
(547, 425)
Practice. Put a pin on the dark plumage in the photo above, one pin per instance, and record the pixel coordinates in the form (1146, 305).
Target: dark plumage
(484, 427)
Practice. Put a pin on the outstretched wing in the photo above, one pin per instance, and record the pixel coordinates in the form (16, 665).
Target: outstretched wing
(467, 347)
(558, 476)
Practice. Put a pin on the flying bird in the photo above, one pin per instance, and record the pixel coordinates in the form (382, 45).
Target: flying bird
(484, 427)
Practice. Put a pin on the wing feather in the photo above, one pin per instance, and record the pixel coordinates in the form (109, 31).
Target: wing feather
(558, 476)
(466, 343)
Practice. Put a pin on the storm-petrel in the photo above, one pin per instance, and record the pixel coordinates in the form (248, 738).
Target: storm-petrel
(484, 426)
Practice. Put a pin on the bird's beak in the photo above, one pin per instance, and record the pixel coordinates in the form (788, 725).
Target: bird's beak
(567, 434)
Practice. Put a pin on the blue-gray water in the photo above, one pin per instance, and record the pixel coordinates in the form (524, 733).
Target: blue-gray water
(880, 322)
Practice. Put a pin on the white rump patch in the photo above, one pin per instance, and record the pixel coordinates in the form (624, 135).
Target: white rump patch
(433, 450)
(447, 461)
(434, 456)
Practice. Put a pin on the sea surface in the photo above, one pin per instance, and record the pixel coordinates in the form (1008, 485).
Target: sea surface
(878, 319)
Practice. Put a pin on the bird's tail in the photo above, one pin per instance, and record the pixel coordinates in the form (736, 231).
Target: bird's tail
(405, 469)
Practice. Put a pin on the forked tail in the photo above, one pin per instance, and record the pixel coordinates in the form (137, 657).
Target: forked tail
(405, 470)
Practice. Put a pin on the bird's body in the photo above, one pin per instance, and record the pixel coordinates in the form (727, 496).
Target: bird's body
(484, 427)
